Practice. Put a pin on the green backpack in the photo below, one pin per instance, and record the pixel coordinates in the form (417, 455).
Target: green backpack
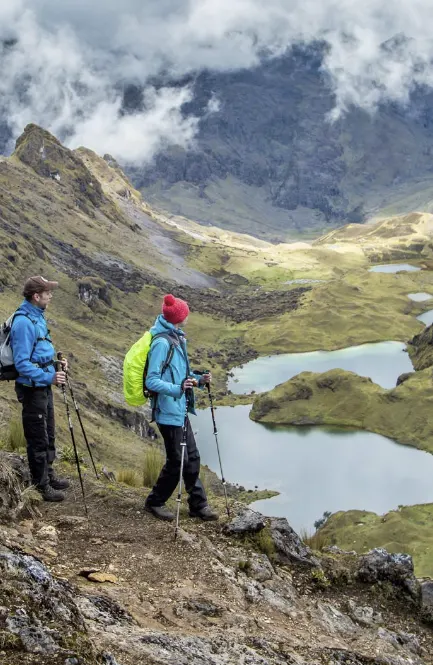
(135, 368)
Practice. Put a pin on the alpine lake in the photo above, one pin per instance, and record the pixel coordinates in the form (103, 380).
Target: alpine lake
(317, 469)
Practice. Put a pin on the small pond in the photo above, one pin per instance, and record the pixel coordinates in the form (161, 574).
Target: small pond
(420, 297)
(383, 362)
(394, 267)
(314, 469)
(305, 281)
(426, 318)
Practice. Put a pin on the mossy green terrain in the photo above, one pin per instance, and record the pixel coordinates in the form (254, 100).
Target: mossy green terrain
(345, 399)
(74, 217)
(408, 529)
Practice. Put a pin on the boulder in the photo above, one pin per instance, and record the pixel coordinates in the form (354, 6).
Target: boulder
(378, 565)
(364, 616)
(259, 568)
(248, 521)
(289, 547)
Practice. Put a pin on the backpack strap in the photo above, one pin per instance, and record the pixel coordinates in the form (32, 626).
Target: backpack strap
(173, 343)
(37, 339)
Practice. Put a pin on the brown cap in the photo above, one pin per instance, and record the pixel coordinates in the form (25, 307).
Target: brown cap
(37, 285)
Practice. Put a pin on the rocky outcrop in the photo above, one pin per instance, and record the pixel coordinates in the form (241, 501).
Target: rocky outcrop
(133, 420)
(247, 522)
(14, 476)
(289, 547)
(379, 565)
(49, 158)
(38, 614)
(427, 601)
(421, 349)
(93, 291)
(404, 377)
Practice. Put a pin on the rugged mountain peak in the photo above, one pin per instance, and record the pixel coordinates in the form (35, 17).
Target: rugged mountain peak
(109, 174)
(44, 153)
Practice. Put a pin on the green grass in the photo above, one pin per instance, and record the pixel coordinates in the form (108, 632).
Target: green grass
(129, 477)
(315, 541)
(14, 440)
(153, 462)
(408, 529)
(341, 398)
(263, 542)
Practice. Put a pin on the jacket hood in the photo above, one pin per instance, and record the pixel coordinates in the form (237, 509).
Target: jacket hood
(163, 326)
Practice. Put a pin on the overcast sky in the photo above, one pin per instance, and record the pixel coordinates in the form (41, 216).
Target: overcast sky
(71, 54)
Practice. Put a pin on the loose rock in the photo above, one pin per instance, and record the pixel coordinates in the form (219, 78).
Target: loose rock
(248, 521)
(289, 547)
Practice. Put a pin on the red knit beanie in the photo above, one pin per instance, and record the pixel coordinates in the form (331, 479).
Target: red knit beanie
(174, 310)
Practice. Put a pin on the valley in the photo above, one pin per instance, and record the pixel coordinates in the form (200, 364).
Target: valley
(75, 217)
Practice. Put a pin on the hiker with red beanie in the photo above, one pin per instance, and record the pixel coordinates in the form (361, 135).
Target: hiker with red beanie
(168, 379)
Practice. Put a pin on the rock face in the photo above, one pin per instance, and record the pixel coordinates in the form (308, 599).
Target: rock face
(38, 613)
(289, 547)
(270, 139)
(133, 420)
(45, 154)
(14, 475)
(379, 565)
(421, 349)
(427, 601)
(93, 291)
(247, 522)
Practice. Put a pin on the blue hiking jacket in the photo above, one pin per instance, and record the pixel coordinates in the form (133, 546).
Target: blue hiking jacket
(32, 346)
(170, 403)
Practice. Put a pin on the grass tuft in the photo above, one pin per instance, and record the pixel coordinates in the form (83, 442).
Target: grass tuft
(14, 440)
(129, 477)
(153, 462)
(315, 541)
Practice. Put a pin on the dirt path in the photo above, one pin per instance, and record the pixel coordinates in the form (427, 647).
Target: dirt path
(192, 598)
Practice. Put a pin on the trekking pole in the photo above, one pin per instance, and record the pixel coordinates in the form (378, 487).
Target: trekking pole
(77, 410)
(182, 463)
(58, 366)
(215, 431)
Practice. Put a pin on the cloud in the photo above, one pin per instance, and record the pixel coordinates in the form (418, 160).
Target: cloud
(72, 58)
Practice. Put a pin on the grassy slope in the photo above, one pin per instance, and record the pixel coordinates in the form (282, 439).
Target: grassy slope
(41, 227)
(408, 529)
(360, 307)
(343, 398)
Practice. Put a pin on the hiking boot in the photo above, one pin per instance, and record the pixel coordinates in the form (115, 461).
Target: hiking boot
(58, 483)
(206, 514)
(48, 493)
(160, 512)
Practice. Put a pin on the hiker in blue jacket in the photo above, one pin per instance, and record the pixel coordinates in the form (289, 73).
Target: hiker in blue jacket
(171, 385)
(33, 354)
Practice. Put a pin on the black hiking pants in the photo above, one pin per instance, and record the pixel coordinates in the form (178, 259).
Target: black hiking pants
(39, 430)
(169, 476)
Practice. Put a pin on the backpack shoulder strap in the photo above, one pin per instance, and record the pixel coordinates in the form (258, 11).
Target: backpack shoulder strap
(37, 339)
(173, 343)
